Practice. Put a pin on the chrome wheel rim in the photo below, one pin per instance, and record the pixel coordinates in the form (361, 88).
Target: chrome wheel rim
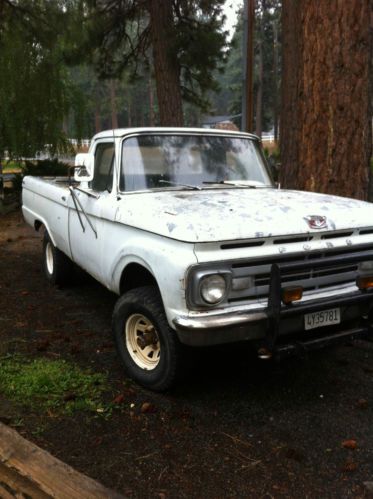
(142, 342)
(49, 257)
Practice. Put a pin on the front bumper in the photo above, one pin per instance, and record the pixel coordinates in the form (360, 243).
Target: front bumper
(279, 329)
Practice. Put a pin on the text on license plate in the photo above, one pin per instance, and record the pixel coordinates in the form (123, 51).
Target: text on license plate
(323, 318)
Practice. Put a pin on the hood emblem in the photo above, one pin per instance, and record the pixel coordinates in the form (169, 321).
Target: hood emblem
(316, 222)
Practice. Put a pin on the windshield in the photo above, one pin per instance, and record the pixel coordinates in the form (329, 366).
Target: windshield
(169, 161)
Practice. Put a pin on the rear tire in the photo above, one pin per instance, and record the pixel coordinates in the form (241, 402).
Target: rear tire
(149, 349)
(58, 268)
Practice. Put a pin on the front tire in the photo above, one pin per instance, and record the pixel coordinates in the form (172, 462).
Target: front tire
(149, 349)
(58, 268)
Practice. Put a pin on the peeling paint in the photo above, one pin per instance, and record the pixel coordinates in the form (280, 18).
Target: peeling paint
(244, 214)
(171, 227)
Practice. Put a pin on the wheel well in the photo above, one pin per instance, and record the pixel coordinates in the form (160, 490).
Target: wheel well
(37, 225)
(135, 276)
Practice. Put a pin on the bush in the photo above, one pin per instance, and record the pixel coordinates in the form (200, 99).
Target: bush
(12, 165)
(40, 168)
(45, 168)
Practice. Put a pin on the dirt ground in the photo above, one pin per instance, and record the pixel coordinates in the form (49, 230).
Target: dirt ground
(234, 428)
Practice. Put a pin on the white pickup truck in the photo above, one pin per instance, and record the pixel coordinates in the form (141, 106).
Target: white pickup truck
(187, 227)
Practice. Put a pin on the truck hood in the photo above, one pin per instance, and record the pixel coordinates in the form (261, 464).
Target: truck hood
(229, 214)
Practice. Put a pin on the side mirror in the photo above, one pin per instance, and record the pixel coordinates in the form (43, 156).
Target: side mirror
(83, 171)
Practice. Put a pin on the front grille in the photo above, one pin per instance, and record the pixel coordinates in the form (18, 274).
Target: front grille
(311, 277)
(257, 273)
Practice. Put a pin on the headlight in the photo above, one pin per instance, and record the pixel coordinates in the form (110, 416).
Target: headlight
(213, 288)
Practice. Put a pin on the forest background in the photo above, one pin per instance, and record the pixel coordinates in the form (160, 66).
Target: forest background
(70, 68)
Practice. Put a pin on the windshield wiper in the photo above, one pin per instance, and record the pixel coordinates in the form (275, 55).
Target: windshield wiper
(194, 187)
(233, 184)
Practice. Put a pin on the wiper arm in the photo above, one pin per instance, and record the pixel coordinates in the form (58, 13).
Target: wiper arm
(194, 187)
(232, 184)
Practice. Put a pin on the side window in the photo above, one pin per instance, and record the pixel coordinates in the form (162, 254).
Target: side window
(104, 166)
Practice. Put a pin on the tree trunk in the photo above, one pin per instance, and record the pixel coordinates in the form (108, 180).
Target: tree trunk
(325, 122)
(98, 127)
(151, 103)
(129, 107)
(259, 92)
(1, 187)
(275, 80)
(2, 9)
(113, 105)
(166, 65)
(65, 125)
(248, 79)
(129, 120)
(370, 189)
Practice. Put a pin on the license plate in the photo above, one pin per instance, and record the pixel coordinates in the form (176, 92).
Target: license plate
(323, 318)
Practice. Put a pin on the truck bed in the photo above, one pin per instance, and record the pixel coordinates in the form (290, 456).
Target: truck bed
(45, 202)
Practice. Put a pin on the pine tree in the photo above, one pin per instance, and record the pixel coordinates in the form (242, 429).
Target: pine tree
(182, 40)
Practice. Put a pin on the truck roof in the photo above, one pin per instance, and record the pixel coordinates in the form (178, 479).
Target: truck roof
(120, 132)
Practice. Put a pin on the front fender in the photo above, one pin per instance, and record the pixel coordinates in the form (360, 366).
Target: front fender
(166, 259)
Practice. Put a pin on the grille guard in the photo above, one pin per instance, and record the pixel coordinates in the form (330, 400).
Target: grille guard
(276, 310)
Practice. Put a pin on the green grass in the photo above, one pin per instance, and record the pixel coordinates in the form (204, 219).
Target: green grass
(50, 385)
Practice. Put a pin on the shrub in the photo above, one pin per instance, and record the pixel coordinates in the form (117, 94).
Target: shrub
(45, 168)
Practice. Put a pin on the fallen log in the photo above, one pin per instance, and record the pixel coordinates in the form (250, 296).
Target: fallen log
(26, 470)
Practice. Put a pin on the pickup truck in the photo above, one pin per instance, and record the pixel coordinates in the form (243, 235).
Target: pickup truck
(188, 228)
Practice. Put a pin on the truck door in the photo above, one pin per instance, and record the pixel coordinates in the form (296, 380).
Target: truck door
(87, 229)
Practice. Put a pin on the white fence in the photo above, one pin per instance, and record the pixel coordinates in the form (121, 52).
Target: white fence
(268, 138)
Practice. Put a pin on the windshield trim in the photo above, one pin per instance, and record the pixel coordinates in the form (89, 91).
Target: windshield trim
(209, 133)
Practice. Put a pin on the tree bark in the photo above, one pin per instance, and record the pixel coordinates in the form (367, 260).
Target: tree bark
(275, 80)
(259, 92)
(1, 187)
(326, 120)
(65, 125)
(151, 103)
(370, 188)
(166, 65)
(98, 125)
(247, 124)
(129, 118)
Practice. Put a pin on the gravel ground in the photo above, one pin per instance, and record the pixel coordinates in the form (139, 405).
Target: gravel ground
(235, 427)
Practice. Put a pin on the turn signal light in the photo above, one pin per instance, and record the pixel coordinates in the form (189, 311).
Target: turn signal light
(292, 293)
(364, 282)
